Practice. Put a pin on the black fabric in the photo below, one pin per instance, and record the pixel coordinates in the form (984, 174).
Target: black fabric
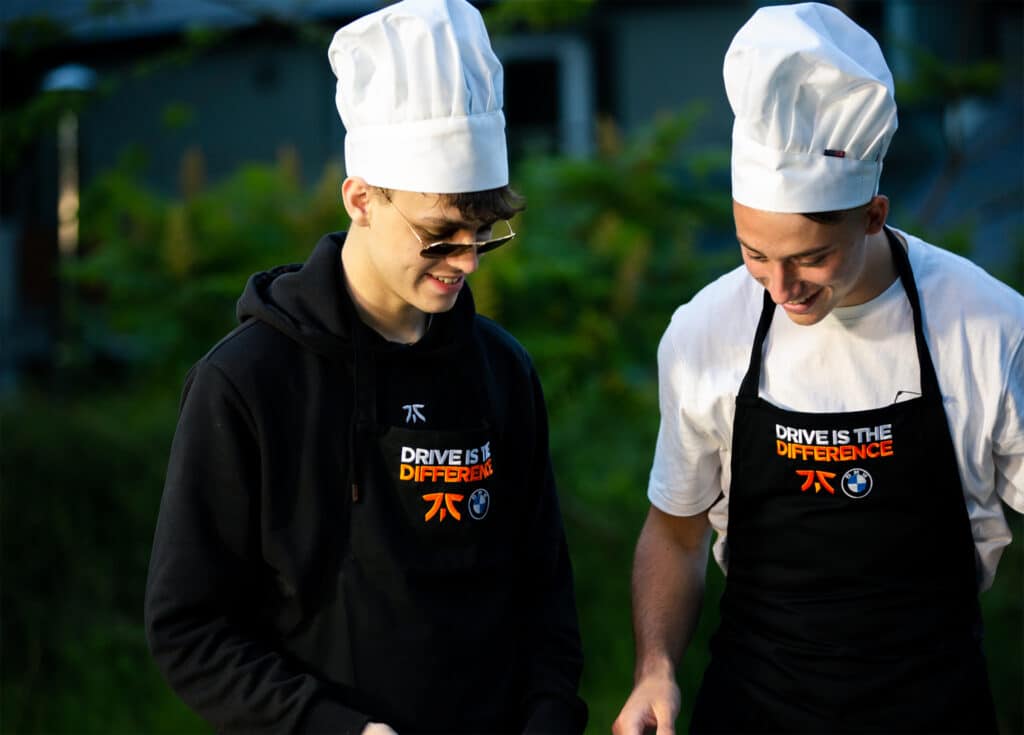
(296, 582)
(851, 599)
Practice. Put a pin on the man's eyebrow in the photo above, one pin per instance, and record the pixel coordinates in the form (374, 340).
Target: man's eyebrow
(804, 254)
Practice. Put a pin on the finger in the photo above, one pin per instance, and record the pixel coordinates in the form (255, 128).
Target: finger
(629, 722)
(622, 727)
(665, 726)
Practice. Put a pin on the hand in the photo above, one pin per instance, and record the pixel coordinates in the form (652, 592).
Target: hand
(654, 702)
(378, 728)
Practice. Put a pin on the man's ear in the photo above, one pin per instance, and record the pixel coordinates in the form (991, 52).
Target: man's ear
(877, 213)
(356, 196)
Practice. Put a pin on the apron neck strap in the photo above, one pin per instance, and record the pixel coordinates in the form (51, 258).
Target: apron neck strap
(929, 381)
(748, 388)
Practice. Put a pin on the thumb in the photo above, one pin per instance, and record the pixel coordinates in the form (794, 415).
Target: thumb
(666, 722)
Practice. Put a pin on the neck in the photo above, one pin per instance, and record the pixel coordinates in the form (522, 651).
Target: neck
(406, 330)
(401, 322)
(881, 263)
(878, 271)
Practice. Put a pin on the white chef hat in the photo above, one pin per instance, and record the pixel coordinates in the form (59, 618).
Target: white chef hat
(814, 106)
(420, 94)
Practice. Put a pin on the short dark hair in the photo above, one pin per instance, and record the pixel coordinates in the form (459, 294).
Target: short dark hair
(833, 217)
(827, 218)
(489, 205)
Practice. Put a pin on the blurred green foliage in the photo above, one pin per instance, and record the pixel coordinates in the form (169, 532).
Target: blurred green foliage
(535, 15)
(156, 287)
(81, 474)
(23, 124)
(937, 81)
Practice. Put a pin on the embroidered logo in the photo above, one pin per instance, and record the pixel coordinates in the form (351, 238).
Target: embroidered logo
(856, 483)
(453, 465)
(479, 503)
(413, 413)
(818, 478)
(449, 499)
(834, 445)
(444, 477)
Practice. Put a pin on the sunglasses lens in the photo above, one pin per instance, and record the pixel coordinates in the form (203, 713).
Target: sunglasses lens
(442, 249)
(446, 249)
(493, 244)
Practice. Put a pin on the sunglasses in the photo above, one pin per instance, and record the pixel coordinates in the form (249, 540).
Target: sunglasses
(442, 249)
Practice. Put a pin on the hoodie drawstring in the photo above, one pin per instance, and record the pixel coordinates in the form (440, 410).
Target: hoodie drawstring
(364, 404)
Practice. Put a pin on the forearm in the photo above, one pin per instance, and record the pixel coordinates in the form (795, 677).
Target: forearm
(668, 586)
(668, 589)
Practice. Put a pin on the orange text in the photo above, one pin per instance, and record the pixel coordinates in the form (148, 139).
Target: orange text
(445, 473)
(845, 453)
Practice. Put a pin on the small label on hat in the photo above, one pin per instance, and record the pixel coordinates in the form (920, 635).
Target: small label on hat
(834, 153)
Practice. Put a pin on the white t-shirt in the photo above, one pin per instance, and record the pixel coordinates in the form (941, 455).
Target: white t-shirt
(857, 358)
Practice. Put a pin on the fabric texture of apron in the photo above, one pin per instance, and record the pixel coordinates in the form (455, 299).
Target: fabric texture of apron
(427, 581)
(851, 601)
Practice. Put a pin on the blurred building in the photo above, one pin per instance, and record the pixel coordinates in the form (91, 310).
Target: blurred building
(256, 83)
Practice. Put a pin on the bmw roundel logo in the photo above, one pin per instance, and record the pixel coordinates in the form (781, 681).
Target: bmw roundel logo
(479, 503)
(856, 483)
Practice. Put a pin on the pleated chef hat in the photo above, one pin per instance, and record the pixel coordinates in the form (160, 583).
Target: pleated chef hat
(420, 94)
(815, 111)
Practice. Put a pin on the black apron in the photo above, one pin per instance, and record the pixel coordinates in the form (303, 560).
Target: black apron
(427, 581)
(850, 603)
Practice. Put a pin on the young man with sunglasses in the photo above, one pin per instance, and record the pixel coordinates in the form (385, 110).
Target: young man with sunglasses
(360, 530)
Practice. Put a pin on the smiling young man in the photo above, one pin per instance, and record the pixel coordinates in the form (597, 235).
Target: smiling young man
(845, 412)
(809, 265)
(360, 531)
(395, 290)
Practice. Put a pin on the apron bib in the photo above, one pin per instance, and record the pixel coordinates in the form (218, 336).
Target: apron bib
(850, 603)
(427, 579)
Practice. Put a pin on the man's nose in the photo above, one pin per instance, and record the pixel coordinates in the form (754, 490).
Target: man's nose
(466, 261)
(783, 284)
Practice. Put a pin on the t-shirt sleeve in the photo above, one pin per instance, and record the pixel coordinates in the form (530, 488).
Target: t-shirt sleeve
(1008, 438)
(686, 475)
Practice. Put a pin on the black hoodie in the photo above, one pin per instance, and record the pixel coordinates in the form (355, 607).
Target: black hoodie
(355, 530)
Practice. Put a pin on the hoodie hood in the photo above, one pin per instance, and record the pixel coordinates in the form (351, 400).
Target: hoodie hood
(310, 303)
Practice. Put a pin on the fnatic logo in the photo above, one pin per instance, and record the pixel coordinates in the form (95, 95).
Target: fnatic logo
(818, 479)
(436, 510)
(413, 413)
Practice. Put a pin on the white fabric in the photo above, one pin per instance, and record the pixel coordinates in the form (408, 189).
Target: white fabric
(857, 358)
(420, 94)
(802, 80)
